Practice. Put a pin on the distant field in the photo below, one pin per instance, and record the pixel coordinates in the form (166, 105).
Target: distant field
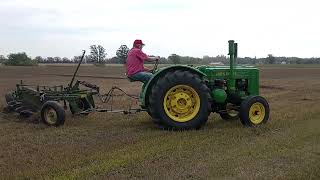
(116, 146)
(290, 66)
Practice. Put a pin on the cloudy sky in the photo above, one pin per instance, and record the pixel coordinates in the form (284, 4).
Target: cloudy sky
(185, 27)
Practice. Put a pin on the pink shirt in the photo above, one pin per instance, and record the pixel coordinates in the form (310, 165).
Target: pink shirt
(135, 61)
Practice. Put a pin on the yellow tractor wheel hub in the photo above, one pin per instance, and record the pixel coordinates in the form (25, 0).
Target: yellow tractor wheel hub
(181, 103)
(257, 113)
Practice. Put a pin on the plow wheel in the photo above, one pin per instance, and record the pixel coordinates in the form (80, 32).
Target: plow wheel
(180, 100)
(254, 111)
(52, 114)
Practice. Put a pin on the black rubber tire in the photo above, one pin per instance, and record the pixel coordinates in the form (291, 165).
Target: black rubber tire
(170, 80)
(60, 113)
(245, 109)
(154, 117)
(83, 105)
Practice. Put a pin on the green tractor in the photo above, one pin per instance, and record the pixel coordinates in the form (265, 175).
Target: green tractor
(177, 97)
(182, 97)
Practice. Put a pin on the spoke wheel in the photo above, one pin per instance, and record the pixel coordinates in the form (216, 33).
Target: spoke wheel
(50, 116)
(181, 103)
(257, 113)
(254, 111)
(52, 113)
(179, 100)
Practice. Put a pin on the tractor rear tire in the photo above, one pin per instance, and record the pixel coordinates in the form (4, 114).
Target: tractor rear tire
(180, 100)
(155, 118)
(52, 114)
(254, 111)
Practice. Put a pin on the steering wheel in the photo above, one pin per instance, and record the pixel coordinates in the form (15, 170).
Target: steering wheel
(155, 67)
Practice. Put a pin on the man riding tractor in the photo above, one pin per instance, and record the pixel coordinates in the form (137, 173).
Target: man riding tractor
(135, 60)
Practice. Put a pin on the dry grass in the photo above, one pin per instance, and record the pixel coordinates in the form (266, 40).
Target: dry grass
(116, 146)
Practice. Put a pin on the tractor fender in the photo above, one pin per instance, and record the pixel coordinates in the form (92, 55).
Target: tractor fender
(147, 87)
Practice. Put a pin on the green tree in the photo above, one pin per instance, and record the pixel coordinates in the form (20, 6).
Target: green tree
(122, 53)
(19, 59)
(97, 54)
(39, 59)
(270, 59)
(65, 60)
(57, 59)
(175, 59)
(50, 60)
(2, 58)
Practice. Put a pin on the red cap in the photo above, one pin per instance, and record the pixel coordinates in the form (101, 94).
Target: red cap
(138, 41)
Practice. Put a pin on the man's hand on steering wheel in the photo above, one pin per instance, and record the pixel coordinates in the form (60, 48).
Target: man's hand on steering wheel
(155, 67)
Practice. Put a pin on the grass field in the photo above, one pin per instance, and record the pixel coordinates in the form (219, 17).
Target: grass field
(116, 146)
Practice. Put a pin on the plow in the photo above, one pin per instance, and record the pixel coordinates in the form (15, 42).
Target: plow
(176, 97)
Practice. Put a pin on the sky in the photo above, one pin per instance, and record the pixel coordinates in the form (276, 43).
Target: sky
(184, 27)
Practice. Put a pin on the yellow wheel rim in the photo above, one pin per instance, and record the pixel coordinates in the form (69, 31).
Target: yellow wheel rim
(257, 113)
(50, 116)
(181, 103)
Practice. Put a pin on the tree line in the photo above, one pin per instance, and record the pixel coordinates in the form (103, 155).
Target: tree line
(98, 56)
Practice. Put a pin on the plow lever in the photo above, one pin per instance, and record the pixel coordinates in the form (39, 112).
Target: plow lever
(75, 73)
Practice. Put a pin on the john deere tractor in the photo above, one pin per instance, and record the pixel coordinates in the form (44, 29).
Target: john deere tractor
(182, 97)
(177, 97)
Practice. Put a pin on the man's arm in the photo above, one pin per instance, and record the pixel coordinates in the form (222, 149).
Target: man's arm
(141, 55)
(153, 58)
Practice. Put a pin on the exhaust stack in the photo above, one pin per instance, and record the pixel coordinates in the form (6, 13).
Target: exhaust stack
(233, 52)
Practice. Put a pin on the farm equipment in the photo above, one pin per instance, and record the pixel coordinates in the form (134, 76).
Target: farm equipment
(47, 100)
(182, 97)
(177, 97)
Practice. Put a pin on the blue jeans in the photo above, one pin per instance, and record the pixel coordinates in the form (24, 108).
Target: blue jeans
(142, 77)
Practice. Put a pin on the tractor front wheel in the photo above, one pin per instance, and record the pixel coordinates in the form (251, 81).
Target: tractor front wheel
(52, 113)
(254, 111)
(180, 100)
